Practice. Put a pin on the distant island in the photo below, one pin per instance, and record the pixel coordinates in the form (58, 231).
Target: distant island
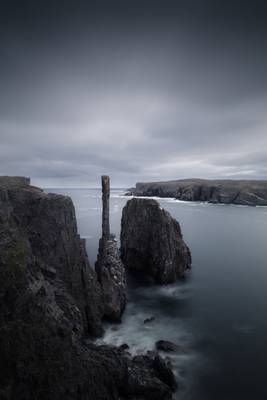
(242, 192)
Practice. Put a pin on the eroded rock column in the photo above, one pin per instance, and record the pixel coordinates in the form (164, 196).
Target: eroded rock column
(109, 268)
(105, 203)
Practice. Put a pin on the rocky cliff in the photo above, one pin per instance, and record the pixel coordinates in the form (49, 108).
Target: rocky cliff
(39, 244)
(152, 242)
(51, 306)
(252, 193)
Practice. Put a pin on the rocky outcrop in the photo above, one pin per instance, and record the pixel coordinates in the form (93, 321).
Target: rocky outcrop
(110, 270)
(167, 346)
(39, 243)
(152, 365)
(51, 304)
(252, 193)
(152, 242)
(112, 278)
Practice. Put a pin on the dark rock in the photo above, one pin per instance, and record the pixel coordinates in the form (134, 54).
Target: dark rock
(166, 345)
(115, 328)
(50, 302)
(112, 278)
(164, 372)
(130, 192)
(243, 192)
(105, 206)
(40, 242)
(148, 320)
(124, 346)
(152, 243)
(110, 270)
(151, 377)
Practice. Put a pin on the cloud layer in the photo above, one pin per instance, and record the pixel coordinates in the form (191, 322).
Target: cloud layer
(161, 91)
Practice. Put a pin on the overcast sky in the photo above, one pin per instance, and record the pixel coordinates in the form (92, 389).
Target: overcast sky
(139, 90)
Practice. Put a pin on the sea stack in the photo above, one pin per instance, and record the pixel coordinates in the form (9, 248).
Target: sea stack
(105, 206)
(51, 308)
(109, 267)
(152, 244)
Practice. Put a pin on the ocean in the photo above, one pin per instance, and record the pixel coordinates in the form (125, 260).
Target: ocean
(218, 313)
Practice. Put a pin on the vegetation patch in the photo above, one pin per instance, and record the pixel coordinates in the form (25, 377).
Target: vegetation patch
(14, 263)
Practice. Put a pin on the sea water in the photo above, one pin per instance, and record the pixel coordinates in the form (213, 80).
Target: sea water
(218, 314)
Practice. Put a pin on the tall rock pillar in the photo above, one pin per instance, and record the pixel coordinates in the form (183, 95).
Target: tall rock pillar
(105, 203)
(109, 268)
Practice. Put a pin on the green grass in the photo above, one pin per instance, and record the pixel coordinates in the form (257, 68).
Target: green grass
(14, 181)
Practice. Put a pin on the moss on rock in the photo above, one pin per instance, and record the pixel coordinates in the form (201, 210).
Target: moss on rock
(14, 261)
(17, 257)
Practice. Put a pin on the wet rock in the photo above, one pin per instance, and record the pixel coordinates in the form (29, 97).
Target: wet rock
(124, 346)
(164, 371)
(151, 242)
(149, 320)
(167, 346)
(151, 377)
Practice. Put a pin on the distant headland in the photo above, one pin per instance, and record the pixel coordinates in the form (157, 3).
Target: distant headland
(242, 192)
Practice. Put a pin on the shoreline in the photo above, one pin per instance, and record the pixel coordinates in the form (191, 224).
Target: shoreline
(195, 202)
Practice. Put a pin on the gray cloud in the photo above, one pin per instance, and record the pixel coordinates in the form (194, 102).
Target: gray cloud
(145, 93)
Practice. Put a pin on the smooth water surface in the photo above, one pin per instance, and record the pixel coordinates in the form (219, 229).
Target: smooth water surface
(218, 314)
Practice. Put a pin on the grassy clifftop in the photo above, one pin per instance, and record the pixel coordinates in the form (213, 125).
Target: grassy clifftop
(241, 184)
(14, 181)
(244, 192)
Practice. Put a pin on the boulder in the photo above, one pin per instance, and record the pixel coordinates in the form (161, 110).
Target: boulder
(124, 346)
(149, 320)
(167, 346)
(152, 244)
(151, 377)
(164, 372)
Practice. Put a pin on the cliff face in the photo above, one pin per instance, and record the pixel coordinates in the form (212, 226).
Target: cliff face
(40, 229)
(50, 297)
(152, 243)
(50, 304)
(214, 191)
